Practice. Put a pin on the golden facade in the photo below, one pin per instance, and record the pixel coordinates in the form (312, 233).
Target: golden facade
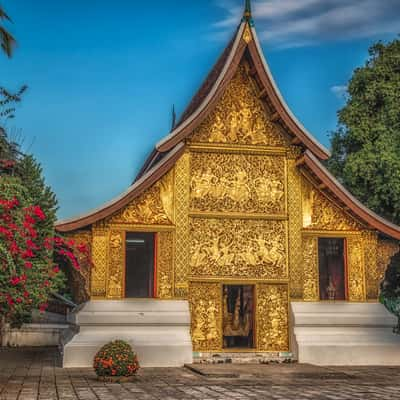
(236, 209)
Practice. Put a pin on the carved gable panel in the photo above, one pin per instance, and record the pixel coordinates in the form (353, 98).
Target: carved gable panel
(155, 206)
(238, 183)
(320, 213)
(238, 248)
(240, 118)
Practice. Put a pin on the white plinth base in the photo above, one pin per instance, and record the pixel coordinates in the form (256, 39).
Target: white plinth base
(344, 334)
(158, 330)
(33, 335)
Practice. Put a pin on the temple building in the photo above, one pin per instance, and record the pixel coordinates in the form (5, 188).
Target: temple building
(235, 239)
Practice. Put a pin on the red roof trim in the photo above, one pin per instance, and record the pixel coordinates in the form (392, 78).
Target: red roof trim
(140, 186)
(364, 213)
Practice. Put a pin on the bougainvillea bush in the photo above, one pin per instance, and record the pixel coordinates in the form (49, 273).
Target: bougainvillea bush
(116, 359)
(28, 273)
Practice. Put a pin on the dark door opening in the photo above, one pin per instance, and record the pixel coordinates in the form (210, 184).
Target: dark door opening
(332, 269)
(139, 275)
(238, 316)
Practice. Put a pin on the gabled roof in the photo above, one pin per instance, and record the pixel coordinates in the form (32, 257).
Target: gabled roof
(140, 186)
(170, 149)
(244, 40)
(329, 184)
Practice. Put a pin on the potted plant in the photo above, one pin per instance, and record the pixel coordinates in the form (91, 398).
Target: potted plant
(116, 362)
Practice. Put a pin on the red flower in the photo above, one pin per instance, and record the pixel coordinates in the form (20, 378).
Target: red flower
(31, 245)
(28, 264)
(14, 281)
(56, 269)
(26, 294)
(46, 283)
(43, 307)
(18, 300)
(14, 249)
(27, 254)
(39, 213)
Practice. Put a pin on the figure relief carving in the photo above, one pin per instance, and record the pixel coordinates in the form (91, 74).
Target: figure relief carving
(370, 246)
(181, 255)
(155, 206)
(165, 264)
(356, 275)
(100, 240)
(240, 118)
(272, 317)
(205, 304)
(238, 183)
(320, 213)
(295, 225)
(218, 248)
(310, 269)
(117, 264)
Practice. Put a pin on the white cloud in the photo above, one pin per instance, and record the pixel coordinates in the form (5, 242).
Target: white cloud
(339, 91)
(294, 23)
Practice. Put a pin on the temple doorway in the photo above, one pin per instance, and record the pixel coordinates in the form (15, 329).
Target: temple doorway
(238, 316)
(332, 269)
(139, 276)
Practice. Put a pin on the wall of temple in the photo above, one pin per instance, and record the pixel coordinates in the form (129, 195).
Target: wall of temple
(236, 209)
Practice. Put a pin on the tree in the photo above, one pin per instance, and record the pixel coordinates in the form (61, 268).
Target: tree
(390, 289)
(366, 146)
(28, 272)
(7, 41)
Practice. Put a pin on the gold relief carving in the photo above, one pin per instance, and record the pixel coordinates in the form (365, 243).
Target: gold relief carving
(311, 270)
(240, 118)
(100, 262)
(295, 225)
(294, 152)
(238, 248)
(247, 37)
(155, 206)
(165, 254)
(117, 265)
(206, 308)
(272, 317)
(386, 249)
(182, 188)
(320, 213)
(356, 275)
(241, 183)
(370, 246)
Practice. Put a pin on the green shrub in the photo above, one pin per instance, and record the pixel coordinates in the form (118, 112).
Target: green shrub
(116, 359)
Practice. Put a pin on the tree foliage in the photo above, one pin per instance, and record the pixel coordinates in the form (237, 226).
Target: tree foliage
(366, 146)
(7, 41)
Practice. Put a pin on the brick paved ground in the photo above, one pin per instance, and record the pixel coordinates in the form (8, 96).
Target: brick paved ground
(35, 374)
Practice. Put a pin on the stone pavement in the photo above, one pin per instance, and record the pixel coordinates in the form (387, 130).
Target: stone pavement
(28, 374)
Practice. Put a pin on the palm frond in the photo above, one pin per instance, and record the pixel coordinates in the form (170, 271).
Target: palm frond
(7, 41)
(3, 15)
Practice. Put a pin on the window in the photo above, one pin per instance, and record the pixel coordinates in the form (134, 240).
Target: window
(332, 269)
(139, 275)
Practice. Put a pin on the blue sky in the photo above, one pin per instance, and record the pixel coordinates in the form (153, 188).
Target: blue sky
(103, 75)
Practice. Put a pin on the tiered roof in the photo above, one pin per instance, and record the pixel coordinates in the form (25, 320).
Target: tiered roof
(244, 43)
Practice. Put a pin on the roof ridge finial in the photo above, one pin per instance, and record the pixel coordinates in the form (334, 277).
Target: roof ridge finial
(247, 15)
